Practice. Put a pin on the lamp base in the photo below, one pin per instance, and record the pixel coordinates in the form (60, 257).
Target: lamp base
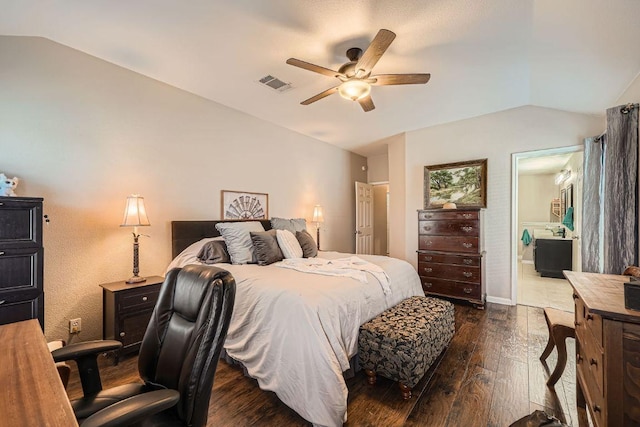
(136, 279)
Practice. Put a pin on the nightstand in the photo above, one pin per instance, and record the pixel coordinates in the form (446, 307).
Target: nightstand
(126, 311)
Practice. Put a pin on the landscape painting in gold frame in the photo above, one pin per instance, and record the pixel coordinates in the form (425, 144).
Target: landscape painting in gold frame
(462, 183)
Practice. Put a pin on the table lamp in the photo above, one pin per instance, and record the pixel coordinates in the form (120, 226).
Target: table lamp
(318, 218)
(135, 215)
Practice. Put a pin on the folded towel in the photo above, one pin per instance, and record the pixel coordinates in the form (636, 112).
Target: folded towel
(526, 237)
(568, 218)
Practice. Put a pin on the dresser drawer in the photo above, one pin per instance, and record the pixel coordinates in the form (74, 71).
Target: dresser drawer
(20, 222)
(448, 214)
(20, 270)
(453, 228)
(451, 288)
(449, 243)
(450, 259)
(139, 298)
(449, 271)
(595, 400)
(593, 359)
(587, 322)
(13, 309)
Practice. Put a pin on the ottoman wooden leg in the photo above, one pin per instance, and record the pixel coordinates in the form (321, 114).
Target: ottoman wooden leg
(549, 348)
(406, 391)
(371, 376)
(561, 346)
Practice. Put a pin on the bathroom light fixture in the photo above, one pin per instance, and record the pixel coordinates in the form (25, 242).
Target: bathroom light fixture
(562, 176)
(135, 215)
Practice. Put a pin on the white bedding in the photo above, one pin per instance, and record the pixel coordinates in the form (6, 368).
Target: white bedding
(295, 332)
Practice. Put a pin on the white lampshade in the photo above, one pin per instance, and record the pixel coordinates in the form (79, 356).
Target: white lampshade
(135, 215)
(354, 89)
(317, 214)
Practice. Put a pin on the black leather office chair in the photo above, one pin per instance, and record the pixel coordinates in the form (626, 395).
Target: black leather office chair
(178, 356)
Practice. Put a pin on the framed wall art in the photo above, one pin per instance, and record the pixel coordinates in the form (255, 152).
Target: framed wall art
(241, 205)
(462, 183)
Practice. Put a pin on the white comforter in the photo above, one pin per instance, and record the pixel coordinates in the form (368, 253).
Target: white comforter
(295, 332)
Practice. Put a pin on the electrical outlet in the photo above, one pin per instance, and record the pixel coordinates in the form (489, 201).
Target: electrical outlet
(75, 325)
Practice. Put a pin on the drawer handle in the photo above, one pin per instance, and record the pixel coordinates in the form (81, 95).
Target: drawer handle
(466, 290)
(428, 216)
(1, 204)
(467, 261)
(144, 298)
(122, 334)
(596, 408)
(2, 302)
(429, 243)
(427, 228)
(467, 216)
(576, 324)
(578, 359)
(593, 362)
(575, 296)
(428, 258)
(428, 285)
(1, 253)
(428, 269)
(589, 316)
(467, 245)
(467, 228)
(467, 274)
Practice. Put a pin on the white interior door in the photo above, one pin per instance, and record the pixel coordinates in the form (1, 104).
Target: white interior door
(364, 218)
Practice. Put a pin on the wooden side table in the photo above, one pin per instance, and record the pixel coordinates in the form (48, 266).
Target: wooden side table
(126, 311)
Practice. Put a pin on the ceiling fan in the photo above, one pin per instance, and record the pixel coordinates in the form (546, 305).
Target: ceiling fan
(355, 75)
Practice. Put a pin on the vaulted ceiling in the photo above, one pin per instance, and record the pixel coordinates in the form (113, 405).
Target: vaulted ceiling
(483, 56)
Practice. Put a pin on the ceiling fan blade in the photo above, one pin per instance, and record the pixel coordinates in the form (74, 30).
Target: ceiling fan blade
(313, 67)
(366, 103)
(400, 79)
(376, 49)
(320, 96)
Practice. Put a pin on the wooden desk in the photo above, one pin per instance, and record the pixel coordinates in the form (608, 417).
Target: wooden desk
(32, 393)
(607, 351)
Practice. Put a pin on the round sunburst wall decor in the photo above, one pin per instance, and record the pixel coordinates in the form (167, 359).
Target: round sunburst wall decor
(242, 206)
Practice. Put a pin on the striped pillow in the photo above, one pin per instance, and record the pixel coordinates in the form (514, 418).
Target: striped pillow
(288, 244)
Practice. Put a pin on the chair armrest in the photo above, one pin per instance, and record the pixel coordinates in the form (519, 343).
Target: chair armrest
(81, 349)
(133, 409)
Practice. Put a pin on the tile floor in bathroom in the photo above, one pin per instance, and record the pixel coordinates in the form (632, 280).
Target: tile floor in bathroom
(537, 291)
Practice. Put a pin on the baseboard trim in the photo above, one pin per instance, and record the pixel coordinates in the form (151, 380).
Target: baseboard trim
(526, 261)
(497, 300)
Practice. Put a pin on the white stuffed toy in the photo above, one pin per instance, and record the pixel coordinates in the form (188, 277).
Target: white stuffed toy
(8, 185)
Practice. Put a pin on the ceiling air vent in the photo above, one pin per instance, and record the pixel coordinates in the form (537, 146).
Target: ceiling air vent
(275, 83)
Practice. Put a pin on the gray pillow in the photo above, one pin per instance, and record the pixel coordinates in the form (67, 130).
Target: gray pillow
(308, 245)
(214, 252)
(266, 247)
(293, 225)
(236, 236)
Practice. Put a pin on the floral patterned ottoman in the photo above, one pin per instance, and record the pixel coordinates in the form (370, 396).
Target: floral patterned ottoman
(402, 342)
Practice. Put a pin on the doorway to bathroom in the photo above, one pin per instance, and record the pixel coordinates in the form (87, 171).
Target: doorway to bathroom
(546, 218)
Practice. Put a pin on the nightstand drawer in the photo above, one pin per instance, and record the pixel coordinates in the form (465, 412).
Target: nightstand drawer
(139, 298)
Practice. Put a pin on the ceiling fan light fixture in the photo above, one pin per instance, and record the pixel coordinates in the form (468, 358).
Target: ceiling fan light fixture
(354, 89)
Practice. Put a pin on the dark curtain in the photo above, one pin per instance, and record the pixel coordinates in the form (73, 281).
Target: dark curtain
(620, 191)
(610, 195)
(592, 170)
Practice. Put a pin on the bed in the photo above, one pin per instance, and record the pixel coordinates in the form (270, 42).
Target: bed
(296, 332)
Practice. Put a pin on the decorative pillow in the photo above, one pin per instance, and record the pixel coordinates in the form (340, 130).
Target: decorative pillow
(266, 247)
(236, 236)
(309, 246)
(288, 244)
(293, 225)
(214, 252)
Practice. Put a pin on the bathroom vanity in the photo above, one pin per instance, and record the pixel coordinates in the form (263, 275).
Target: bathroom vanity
(551, 256)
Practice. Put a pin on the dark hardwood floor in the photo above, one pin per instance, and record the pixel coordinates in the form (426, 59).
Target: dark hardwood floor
(489, 376)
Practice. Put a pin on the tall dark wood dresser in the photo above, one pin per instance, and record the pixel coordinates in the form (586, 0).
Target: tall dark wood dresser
(21, 260)
(450, 256)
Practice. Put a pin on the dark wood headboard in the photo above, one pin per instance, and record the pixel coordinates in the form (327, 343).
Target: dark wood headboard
(184, 233)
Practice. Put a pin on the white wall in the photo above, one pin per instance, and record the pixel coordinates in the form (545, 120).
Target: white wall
(397, 197)
(535, 193)
(84, 133)
(493, 136)
(631, 95)
(378, 168)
